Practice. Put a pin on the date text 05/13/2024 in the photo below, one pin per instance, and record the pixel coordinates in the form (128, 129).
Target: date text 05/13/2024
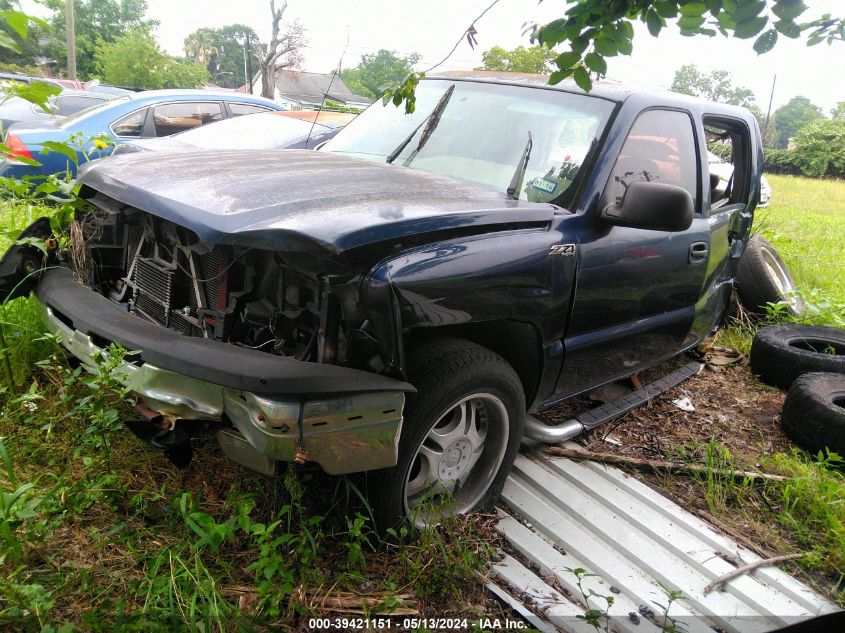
(415, 623)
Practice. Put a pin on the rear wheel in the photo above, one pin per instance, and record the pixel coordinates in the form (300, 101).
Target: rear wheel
(460, 435)
(763, 277)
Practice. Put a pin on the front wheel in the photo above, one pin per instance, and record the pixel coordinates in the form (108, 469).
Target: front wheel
(460, 435)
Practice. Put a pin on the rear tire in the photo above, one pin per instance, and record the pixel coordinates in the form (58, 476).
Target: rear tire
(762, 277)
(460, 435)
(813, 413)
(781, 353)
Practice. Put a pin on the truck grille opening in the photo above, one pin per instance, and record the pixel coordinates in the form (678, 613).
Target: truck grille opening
(162, 273)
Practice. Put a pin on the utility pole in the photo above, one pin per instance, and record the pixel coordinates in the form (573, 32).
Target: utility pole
(246, 75)
(248, 61)
(71, 40)
(769, 113)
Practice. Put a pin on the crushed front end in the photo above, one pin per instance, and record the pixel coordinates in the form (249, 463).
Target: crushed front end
(271, 350)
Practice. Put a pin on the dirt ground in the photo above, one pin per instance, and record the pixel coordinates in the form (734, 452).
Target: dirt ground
(731, 406)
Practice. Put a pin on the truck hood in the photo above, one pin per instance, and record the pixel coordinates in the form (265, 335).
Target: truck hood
(298, 200)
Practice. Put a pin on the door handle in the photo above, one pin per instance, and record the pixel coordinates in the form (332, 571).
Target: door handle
(698, 252)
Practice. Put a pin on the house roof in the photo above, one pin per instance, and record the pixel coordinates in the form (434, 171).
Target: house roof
(311, 87)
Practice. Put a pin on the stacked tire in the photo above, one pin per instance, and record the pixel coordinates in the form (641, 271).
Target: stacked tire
(809, 362)
(806, 360)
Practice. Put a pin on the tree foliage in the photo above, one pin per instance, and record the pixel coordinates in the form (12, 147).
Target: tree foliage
(221, 51)
(533, 59)
(791, 117)
(594, 30)
(377, 71)
(715, 86)
(135, 60)
(20, 38)
(819, 148)
(98, 22)
(838, 111)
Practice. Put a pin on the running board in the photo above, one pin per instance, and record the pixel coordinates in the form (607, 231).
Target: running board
(537, 430)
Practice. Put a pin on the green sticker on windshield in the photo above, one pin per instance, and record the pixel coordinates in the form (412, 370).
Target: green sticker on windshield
(542, 184)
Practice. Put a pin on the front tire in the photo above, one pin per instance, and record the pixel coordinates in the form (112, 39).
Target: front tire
(460, 436)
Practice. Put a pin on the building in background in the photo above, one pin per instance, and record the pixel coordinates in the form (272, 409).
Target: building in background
(298, 90)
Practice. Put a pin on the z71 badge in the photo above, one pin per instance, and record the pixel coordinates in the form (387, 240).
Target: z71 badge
(562, 249)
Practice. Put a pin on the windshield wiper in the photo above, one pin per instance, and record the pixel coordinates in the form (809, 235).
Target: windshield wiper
(432, 119)
(516, 182)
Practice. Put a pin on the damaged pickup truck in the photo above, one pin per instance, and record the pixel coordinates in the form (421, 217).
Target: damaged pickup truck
(396, 302)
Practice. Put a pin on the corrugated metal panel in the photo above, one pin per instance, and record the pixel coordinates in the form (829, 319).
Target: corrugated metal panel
(567, 514)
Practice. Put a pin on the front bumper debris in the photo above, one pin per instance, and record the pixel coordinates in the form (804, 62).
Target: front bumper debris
(344, 427)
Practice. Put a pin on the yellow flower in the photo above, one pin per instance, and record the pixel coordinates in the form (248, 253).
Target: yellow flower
(100, 144)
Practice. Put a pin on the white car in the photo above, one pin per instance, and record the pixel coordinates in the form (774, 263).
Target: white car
(724, 170)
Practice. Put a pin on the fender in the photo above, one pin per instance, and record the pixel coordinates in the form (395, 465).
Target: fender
(515, 275)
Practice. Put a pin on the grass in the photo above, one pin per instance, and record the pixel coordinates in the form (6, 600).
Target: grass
(806, 223)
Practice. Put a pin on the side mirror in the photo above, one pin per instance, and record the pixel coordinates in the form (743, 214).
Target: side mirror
(652, 205)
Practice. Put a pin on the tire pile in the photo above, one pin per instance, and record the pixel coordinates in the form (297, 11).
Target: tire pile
(806, 360)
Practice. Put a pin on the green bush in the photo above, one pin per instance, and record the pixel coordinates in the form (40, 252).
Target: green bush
(780, 161)
(819, 149)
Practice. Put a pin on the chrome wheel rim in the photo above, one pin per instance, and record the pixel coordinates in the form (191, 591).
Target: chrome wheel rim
(781, 279)
(457, 460)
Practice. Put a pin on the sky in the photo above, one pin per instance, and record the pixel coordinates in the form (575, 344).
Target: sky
(431, 28)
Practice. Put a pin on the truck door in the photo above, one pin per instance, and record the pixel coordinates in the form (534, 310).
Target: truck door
(731, 190)
(637, 289)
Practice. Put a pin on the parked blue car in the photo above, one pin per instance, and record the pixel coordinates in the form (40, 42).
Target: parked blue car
(148, 114)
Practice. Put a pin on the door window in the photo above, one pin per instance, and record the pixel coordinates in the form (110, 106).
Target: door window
(728, 161)
(130, 125)
(239, 109)
(172, 118)
(660, 148)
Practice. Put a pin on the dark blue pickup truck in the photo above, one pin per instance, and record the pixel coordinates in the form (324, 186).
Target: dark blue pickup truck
(399, 300)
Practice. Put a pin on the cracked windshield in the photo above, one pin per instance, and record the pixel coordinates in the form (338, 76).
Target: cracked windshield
(553, 130)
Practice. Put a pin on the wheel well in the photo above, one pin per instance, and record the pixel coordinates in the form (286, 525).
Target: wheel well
(518, 343)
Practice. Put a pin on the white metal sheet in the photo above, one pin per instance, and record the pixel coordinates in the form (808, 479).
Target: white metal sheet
(640, 545)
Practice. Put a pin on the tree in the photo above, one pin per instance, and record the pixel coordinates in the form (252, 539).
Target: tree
(715, 86)
(221, 51)
(534, 59)
(97, 22)
(838, 112)
(283, 51)
(594, 30)
(790, 118)
(22, 49)
(376, 72)
(135, 60)
(819, 148)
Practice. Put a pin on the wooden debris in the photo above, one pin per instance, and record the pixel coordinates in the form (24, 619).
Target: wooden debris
(739, 571)
(655, 465)
(349, 602)
(727, 529)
